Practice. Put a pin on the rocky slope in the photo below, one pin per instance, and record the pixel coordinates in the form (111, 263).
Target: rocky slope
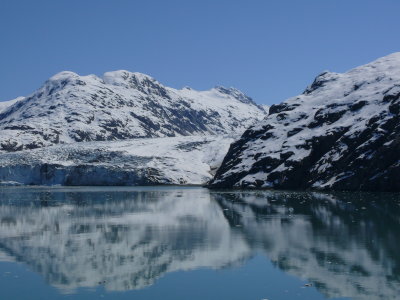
(171, 160)
(121, 105)
(342, 133)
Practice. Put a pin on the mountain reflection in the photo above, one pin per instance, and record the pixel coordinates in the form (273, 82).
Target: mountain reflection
(345, 244)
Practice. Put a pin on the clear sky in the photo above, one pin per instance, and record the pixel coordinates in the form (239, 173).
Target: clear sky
(271, 50)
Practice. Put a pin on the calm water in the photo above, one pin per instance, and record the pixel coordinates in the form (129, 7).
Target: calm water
(191, 243)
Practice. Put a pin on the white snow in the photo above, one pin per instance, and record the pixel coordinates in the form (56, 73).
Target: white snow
(122, 105)
(368, 83)
(6, 104)
(188, 160)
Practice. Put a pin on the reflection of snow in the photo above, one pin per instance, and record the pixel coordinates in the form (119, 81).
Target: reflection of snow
(129, 241)
(130, 237)
(322, 238)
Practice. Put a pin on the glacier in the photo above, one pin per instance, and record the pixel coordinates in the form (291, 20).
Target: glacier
(123, 128)
(188, 160)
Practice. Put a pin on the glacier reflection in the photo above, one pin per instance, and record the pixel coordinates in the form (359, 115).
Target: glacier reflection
(345, 244)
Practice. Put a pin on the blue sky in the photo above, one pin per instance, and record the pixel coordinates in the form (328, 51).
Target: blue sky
(271, 50)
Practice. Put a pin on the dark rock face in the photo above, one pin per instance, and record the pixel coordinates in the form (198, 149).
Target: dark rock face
(342, 133)
(122, 105)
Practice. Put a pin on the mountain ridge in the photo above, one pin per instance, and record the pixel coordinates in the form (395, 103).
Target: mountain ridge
(122, 105)
(342, 132)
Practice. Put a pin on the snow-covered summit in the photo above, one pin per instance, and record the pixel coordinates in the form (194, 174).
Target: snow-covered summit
(343, 132)
(120, 105)
(6, 104)
(128, 79)
(235, 93)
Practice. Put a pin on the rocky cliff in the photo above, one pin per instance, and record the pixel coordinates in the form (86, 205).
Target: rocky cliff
(341, 133)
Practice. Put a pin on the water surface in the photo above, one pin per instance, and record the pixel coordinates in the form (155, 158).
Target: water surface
(192, 243)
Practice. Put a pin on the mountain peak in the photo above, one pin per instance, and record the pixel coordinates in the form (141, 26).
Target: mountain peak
(237, 94)
(126, 78)
(122, 105)
(63, 76)
(320, 81)
(393, 57)
(342, 133)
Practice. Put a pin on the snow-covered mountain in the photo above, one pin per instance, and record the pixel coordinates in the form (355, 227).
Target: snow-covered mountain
(121, 105)
(343, 132)
(6, 104)
(171, 160)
